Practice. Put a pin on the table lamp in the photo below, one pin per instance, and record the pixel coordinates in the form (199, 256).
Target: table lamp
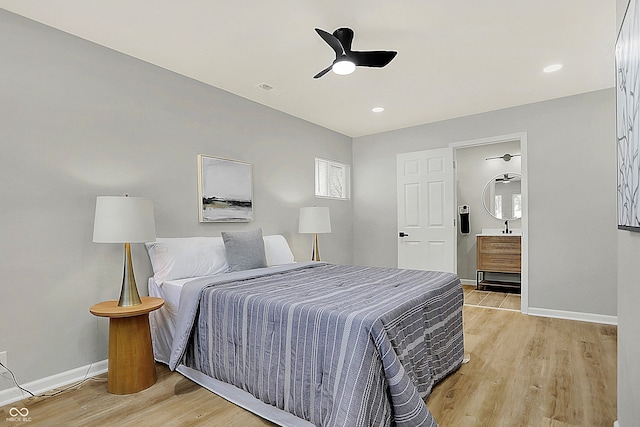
(314, 220)
(125, 220)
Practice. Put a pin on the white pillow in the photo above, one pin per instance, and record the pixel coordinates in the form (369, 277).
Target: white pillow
(183, 257)
(277, 250)
(174, 258)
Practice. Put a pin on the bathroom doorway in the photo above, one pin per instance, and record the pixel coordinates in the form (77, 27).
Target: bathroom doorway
(477, 163)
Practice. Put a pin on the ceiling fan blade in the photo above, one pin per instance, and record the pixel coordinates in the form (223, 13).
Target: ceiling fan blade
(323, 72)
(345, 36)
(373, 58)
(331, 41)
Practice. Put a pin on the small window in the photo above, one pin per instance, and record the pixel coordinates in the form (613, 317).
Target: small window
(332, 179)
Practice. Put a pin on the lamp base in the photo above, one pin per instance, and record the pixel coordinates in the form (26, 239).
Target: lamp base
(315, 253)
(129, 293)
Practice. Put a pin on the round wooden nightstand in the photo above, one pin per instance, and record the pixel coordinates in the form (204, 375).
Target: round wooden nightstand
(131, 364)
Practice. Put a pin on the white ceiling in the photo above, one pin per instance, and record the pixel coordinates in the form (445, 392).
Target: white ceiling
(455, 58)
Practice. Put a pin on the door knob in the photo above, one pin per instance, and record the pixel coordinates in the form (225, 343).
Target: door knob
(403, 234)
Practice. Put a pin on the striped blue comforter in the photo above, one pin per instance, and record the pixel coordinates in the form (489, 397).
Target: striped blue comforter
(335, 345)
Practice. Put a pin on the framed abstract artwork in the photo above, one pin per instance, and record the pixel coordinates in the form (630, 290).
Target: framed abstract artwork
(225, 190)
(627, 120)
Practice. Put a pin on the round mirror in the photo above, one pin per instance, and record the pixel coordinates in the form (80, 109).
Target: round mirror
(502, 196)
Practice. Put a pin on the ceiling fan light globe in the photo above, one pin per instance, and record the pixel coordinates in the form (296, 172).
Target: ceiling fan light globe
(343, 67)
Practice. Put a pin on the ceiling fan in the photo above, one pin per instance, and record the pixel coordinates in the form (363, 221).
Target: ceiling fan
(346, 59)
(506, 178)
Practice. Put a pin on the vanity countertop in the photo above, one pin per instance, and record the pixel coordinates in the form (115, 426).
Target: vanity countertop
(499, 232)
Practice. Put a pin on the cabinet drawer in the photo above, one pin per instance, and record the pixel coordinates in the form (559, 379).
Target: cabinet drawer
(502, 263)
(499, 244)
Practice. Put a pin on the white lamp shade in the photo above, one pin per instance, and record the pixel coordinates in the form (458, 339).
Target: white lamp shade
(314, 220)
(124, 220)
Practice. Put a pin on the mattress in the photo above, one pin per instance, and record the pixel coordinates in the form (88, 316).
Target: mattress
(163, 321)
(163, 325)
(400, 298)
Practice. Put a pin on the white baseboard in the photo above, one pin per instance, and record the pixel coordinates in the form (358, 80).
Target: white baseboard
(43, 385)
(560, 314)
(572, 315)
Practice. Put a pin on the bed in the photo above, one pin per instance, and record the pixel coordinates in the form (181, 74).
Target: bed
(308, 343)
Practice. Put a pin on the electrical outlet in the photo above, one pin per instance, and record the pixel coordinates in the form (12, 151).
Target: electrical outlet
(3, 360)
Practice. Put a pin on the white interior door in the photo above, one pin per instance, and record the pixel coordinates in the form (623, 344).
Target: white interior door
(426, 216)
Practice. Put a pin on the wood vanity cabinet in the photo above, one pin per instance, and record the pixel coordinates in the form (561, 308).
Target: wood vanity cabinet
(498, 254)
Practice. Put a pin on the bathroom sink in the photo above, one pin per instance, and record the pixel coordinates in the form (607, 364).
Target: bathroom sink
(500, 232)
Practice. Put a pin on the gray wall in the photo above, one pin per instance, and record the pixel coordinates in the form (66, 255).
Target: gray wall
(77, 121)
(572, 239)
(628, 313)
(473, 172)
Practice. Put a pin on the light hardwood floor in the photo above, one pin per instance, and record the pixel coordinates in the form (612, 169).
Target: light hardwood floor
(491, 298)
(524, 371)
(530, 371)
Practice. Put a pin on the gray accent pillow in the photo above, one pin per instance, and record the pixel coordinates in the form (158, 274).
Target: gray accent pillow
(245, 249)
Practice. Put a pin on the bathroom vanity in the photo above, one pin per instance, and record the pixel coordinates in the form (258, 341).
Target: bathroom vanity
(498, 260)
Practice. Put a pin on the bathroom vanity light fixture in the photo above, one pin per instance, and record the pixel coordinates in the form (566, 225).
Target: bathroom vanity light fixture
(506, 157)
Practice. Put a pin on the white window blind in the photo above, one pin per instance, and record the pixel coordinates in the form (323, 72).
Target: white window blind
(332, 179)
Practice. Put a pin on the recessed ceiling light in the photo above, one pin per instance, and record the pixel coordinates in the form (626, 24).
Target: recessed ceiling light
(265, 86)
(552, 68)
(377, 109)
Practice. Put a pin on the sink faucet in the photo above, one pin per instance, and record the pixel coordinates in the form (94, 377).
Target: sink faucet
(506, 227)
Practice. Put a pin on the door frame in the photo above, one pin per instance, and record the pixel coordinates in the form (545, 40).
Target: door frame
(522, 138)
